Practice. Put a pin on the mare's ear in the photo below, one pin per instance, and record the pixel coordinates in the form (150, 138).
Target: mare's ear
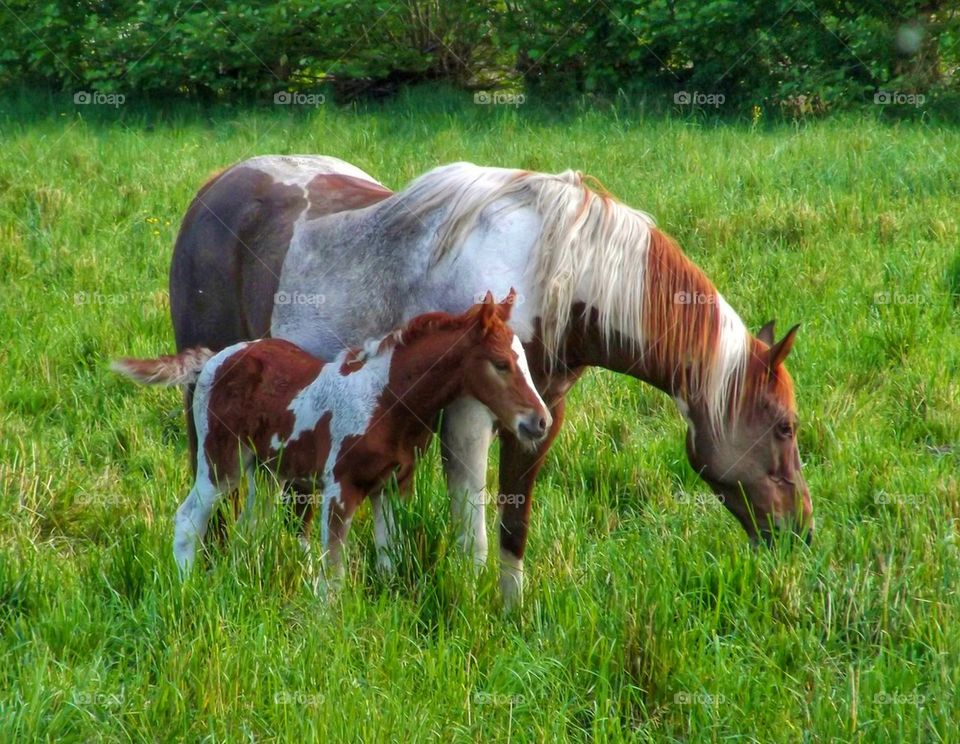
(766, 333)
(780, 350)
(506, 307)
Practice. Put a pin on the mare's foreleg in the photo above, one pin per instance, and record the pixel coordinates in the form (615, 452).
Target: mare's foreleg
(465, 438)
(518, 471)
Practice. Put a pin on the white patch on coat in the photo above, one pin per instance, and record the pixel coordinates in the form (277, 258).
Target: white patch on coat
(299, 170)
(352, 399)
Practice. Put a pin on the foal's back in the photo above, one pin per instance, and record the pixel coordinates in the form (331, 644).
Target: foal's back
(286, 407)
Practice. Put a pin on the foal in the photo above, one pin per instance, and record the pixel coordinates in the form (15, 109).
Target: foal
(345, 426)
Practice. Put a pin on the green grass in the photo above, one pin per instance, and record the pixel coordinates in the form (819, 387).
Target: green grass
(647, 615)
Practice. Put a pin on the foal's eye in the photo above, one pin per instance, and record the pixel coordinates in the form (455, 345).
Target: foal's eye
(784, 430)
(501, 365)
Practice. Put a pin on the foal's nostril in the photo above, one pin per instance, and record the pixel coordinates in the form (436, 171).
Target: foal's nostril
(542, 425)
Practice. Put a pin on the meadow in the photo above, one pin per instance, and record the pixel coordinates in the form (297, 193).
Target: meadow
(647, 615)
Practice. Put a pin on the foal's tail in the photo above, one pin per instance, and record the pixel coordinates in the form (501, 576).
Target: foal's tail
(176, 369)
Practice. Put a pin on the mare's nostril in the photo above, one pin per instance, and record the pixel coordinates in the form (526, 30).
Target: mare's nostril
(542, 425)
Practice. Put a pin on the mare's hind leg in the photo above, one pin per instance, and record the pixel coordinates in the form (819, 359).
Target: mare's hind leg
(465, 438)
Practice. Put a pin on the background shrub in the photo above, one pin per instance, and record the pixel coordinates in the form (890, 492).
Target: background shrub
(808, 55)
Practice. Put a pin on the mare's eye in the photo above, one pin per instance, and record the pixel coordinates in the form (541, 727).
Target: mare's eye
(501, 365)
(784, 430)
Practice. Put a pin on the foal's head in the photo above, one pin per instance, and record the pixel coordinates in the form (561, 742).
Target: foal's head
(496, 372)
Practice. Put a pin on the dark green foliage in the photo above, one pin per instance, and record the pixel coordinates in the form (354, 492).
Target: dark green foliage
(806, 57)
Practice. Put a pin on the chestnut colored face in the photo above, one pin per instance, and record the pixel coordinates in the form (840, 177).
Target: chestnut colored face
(497, 374)
(753, 464)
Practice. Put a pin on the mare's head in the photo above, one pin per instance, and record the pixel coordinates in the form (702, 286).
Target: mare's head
(496, 373)
(751, 460)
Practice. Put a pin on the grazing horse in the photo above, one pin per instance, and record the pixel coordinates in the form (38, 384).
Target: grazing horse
(313, 250)
(347, 425)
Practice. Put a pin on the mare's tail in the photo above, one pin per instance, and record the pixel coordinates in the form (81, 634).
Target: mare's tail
(176, 369)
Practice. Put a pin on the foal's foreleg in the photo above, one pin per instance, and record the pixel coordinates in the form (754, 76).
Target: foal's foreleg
(338, 505)
(465, 440)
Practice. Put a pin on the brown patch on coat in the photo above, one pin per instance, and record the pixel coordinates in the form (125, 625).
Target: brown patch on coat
(249, 405)
(335, 192)
(228, 257)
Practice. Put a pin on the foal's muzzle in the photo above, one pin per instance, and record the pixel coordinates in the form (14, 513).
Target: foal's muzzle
(533, 427)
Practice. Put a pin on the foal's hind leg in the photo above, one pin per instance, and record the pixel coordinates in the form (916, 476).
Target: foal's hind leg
(190, 524)
(465, 438)
(385, 535)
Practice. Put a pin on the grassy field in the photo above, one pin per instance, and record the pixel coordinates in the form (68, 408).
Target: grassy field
(647, 615)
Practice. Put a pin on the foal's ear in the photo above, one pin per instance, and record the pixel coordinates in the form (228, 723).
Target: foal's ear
(766, 333)
(780, 350)
(488, 312)
(506, 307)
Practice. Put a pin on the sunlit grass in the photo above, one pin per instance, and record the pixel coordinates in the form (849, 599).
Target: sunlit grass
(647, 615)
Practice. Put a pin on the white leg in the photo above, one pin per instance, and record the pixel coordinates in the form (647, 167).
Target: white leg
(466, 435)
(332, 538)
(511, 579)
(384, 532)
(314, 576)
(190, 524)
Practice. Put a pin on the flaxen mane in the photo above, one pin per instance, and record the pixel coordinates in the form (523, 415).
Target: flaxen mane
(595, 248)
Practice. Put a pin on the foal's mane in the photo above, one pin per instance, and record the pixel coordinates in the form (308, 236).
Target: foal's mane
(419, 327)
(593, 246)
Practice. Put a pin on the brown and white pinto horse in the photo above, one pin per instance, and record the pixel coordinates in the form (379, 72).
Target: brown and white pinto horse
(346, 426)
(313, 250)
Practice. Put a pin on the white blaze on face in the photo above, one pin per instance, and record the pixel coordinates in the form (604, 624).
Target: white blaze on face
(517, 347)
